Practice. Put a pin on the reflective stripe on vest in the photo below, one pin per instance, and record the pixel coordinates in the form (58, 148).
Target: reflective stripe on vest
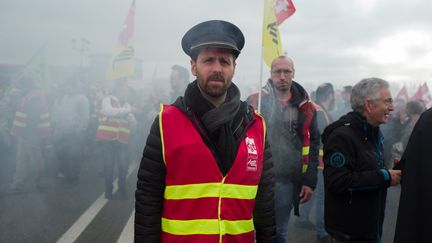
(207, 226)
(200, 205)
(113, 128)
(43, 125)
(328, 121)
(210, 190)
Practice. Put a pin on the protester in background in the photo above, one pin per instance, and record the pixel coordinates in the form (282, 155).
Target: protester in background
(324, 102)
(9, 97)
(344, 105)
(113, 135)
(393, 130)
(31, 126)
(355, 178)
(413, 111)
(70, 132)
(206, 173)
(179, 80)
(294, 139)
(415, 215)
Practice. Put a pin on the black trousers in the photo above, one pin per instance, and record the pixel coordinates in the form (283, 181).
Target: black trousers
(114, 155)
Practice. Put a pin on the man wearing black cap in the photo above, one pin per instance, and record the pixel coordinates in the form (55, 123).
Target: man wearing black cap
(206, 174)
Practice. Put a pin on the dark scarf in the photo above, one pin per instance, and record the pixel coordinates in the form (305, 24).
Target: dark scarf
(218, 122)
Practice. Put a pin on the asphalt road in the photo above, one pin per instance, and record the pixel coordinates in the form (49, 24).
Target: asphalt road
(80, 213)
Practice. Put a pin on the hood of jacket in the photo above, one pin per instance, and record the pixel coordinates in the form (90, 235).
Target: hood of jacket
(357, 122)
(298, 93)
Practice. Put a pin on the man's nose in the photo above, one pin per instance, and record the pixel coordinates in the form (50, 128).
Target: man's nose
(217, 67)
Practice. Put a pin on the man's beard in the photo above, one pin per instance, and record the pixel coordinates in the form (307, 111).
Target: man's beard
(215, 91)
(283, 88)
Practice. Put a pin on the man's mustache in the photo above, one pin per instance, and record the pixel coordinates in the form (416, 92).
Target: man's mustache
(216, 76)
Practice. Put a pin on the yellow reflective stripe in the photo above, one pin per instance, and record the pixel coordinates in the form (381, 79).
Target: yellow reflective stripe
(161, 132)
(190, 227)
(44, 125)
(207, 226)
(201, 190)
(108, 128)
(220, 226)
(238, 191)
(45, 115)
(305, 150)
(264, 127)
(112, 119)
(321, 152)
(123, 129)
(20, 114)
(19, 124)
(304, 168)
(236, 227)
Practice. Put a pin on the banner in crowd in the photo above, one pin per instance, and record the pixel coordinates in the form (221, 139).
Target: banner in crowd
(36, 69)
(122, 64)
(423, 95)
(275, 12)
(283, 10)
(403, 94)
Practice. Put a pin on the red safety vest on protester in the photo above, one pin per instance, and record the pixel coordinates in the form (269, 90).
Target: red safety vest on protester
(20, 123)
(328, 121)
(200, 205)
(113, 128)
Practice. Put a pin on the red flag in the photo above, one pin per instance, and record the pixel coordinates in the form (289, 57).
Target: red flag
(127, 31)
(283, 10)
(403, 94)
(123, 59)
(423, 95)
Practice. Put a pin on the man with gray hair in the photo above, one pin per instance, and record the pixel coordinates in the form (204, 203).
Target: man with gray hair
(355, 178)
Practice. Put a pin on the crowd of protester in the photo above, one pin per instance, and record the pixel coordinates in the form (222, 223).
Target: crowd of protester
(45, 136)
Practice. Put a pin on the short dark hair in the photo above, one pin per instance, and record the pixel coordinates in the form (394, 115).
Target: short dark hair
(183, 72)
(414, 107)
(347, 88)
(323, 92)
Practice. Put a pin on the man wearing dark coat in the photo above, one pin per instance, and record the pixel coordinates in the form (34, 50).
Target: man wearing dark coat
(414, 218)
(355, 179)
(206, 174)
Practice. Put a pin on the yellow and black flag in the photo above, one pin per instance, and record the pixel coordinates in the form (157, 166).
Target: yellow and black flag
(275, 12)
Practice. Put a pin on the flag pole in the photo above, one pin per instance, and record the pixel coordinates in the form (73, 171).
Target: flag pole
(261, 80)
(262, 60)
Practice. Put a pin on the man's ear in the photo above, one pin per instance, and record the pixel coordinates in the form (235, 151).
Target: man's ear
(193, 67)
(367, 106)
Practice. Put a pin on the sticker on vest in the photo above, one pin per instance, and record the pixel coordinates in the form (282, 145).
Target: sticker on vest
(252, 157)
(337, 160)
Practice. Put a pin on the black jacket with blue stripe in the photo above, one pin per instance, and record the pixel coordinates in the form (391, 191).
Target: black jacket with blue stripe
(355, 179)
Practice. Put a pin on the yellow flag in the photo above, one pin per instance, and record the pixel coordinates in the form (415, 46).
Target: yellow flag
(36, 69)
(272, 45)
(122, 63)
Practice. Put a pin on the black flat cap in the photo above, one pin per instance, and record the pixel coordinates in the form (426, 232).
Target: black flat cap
(213, 34)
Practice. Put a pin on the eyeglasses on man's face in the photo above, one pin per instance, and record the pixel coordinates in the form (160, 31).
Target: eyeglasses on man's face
(279, 72)
(387, 102)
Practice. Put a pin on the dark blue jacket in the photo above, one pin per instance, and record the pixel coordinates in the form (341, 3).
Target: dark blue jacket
(355, 179)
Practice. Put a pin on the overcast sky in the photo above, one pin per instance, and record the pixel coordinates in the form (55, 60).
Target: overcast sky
(337, 41)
